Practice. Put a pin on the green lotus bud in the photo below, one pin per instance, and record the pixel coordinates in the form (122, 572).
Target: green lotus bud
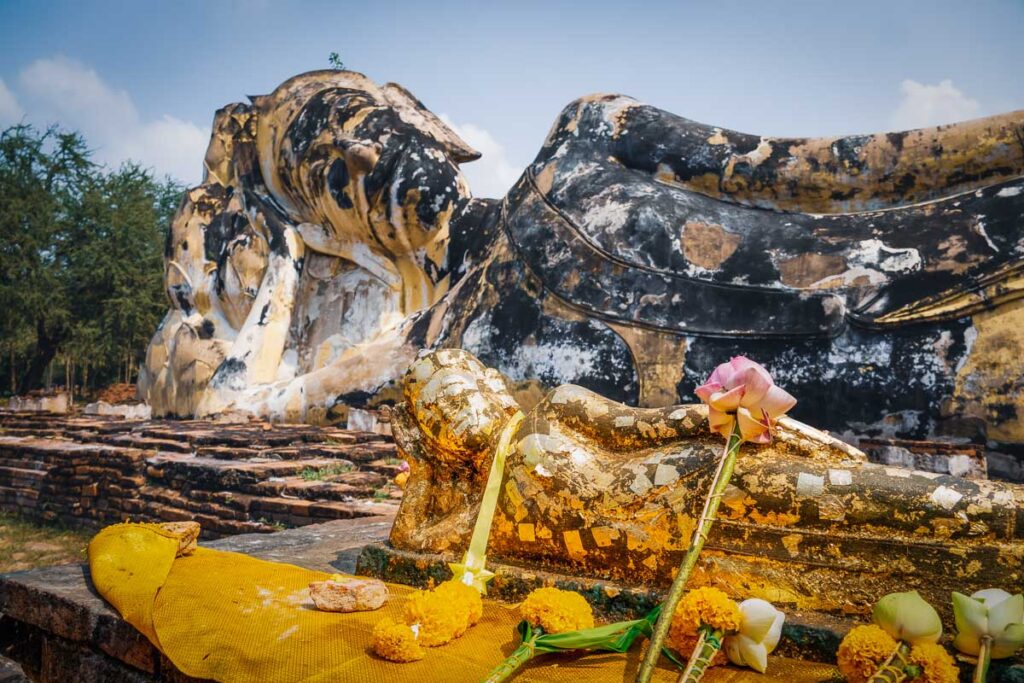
(907, 617)
(991, 613)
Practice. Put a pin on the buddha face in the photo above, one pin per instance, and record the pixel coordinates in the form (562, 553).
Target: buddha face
(367, 174)
(458, 405)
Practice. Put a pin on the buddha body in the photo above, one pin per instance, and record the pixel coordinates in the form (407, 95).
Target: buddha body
(599, 489)
(878, 277)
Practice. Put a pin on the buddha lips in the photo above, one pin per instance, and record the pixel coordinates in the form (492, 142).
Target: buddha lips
(742, 390)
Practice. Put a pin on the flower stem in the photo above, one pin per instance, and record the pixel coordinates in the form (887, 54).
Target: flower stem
(893, 669)
(708, 644)
(984, 659)
(520, 656)
(700, 535)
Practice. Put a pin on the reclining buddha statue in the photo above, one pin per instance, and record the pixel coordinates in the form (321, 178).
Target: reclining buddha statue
(598, 489)
(878, 277)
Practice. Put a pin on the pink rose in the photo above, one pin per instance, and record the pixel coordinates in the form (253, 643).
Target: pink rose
(743, 390)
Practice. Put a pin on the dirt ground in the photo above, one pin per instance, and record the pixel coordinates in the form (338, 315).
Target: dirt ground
(27, 545)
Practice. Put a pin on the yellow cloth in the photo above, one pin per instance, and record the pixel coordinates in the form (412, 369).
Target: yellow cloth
(230, 617)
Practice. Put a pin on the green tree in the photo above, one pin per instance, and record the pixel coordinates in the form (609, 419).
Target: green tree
(114, 263)
(41, 176)
(81, 268)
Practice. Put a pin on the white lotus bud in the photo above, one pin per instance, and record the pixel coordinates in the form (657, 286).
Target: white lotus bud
(993, 613)
(760, 629)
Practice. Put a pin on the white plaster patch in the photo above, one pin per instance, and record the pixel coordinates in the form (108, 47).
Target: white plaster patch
(808, 484)
(840, 477)
(640, 485)
(624, 421)
(946, 497)
(1009, 192)
(665, 474)
(897, 472)
(959, 465)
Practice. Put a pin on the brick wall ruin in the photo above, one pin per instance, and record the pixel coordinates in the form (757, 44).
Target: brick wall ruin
(231, 478)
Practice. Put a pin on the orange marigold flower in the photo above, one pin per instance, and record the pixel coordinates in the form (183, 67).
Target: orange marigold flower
(396, 642)
(557, 611)
(439, 618)
(937, 665)
(468, 597)
(709, 607)
(863, 650)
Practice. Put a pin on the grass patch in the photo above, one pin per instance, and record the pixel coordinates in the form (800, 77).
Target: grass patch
(27, 545)
(381, 494)
(319, 474)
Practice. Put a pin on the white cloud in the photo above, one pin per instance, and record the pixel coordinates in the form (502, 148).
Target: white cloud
(492, 174)
(61, 90)
(10, 111)
(932, 105)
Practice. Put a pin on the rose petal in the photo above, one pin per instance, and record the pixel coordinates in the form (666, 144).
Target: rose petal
(751, 429)
(704, 391)
(777, 402)
(720, 423)
(727, 401)
(723, 375)
(757, 382)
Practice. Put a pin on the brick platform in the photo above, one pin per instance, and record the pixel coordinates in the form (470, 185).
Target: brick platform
(231, 478)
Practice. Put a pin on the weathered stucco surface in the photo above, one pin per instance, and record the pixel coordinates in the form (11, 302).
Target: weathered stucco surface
(878, 277)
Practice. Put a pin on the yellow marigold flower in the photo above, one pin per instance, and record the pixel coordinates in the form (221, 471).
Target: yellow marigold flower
(937, 665)
(557, 611)
(440, 618)
(470, 602)
(396, 642)
(708, 606)
(863, 650)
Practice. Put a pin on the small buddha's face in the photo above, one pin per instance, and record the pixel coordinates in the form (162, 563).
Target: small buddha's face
(459, 405)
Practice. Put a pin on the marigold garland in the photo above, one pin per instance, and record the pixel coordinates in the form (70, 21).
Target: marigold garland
(396, 642)
(937, 665)
(863, 650)
(706, 606)
(440, 619)
(471, 604)
(557, 611)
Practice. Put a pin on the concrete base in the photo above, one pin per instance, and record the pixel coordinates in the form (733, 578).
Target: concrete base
(806, 635)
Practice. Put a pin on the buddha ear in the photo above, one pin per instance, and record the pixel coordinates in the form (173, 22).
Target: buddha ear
(412, 111)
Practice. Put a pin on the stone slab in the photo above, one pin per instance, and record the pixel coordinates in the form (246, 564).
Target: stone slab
(59, 629)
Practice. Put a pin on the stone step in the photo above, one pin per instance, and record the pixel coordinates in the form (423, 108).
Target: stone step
(183, 471)
(19, 477)
(134, 440)
(338, 487)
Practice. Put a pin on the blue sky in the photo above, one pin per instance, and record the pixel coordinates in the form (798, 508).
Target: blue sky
(142, 78)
